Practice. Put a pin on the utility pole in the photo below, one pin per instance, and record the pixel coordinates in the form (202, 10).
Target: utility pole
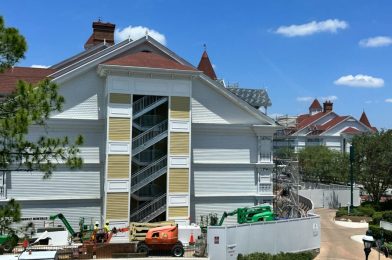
(352, 175)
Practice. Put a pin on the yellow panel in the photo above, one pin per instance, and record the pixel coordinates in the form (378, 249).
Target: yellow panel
(179, 107)
(179, 180)
(177, 212)
(120, 98)
(119, 129)
(179, 143)
(118, 166)
(117, 205)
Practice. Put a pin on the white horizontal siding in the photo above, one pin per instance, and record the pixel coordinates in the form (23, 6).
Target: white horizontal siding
(221, 155)
(61, 185)
(89, 154)
(224, 181)
(87, 109)
(73, 210)
(209, 106)
(224, 148)
(204, 209)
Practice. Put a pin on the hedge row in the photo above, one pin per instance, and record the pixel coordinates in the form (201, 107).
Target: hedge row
(280, 256)
(378, 233)
(365, 211)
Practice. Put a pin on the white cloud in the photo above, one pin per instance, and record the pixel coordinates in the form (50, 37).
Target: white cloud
(388, 100)
(330, 25)
(39, 66)
(361, 81)
(304, 99)
(379, 41)
(329, 98)
(213, 66)
(137, 32)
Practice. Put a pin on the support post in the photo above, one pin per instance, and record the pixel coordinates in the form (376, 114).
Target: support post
(352, 176)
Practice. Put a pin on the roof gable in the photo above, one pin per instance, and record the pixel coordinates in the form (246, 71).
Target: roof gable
(315, 105)
(148, 60)
(206, 66)
(364, 120)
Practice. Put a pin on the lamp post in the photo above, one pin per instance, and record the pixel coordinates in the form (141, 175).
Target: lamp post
(367, 243)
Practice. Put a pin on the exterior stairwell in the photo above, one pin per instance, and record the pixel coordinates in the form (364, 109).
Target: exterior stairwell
(149, 173)
(150, 210)
(149, 137)
(146, 104)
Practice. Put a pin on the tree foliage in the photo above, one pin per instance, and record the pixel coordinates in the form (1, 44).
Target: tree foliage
(12, 46)
(30, 105)
(320, 164)
(373, 162)
(9, 214)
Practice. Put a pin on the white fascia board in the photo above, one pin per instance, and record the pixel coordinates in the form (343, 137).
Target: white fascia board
(104, 70)
(266, 130)
(238, 101)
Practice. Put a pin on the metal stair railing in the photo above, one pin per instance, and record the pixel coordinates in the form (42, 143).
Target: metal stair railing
(149, 135)
(149, 209)
(146, 104)
(149, 173)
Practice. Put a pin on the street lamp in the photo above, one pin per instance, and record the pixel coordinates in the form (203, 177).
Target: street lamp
(367, 243)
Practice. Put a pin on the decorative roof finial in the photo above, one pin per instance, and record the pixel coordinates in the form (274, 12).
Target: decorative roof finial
(99, 18)
(146, 33)
(205, 47)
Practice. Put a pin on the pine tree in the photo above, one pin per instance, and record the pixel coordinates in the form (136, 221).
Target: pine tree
(30, 105)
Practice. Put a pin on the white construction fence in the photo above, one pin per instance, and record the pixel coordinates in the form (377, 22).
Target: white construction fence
(291, 235)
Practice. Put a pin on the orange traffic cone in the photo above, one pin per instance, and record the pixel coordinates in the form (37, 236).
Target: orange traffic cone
(191, 239)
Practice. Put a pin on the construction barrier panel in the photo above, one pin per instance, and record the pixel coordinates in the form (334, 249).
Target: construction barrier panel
(291, 235)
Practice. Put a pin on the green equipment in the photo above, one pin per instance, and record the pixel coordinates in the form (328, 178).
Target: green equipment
(250, 214)
(8, 242)
(84, 233)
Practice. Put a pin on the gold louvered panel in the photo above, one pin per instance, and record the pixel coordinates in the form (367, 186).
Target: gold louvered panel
(179, 180)
(118, 166)
(117, 205)
(176, 212)
(179, 143)
(120, 98)
(179, 107)
(119, 129)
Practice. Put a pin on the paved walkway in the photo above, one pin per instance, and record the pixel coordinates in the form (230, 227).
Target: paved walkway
(336, 242)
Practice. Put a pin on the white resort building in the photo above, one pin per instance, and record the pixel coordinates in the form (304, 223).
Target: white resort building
(321, 126)
(163, 140)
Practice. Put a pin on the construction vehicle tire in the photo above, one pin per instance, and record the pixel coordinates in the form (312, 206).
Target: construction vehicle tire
(142, 248)
(178, 250)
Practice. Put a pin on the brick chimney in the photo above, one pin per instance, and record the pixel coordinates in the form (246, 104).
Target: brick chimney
(102, 32)
(328, 106)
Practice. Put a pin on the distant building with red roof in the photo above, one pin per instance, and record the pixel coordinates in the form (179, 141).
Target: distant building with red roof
(321, 126)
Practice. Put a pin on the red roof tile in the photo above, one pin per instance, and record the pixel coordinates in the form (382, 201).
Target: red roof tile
(206, 66)
(331, 123)
(148, 60)
(315, 105)
(364, 120)
(302, 117)
(9, 78)
(351, 130)
(309, 120)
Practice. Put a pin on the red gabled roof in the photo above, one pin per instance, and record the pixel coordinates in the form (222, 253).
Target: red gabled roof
(351, 130)
(331, 123)
(315, 105)
(310, 119)
(9, 78)
(300, 118)
(148, 60)
(206, 66)
(364, 120)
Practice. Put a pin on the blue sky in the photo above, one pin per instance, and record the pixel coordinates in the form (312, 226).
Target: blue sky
(298, 50)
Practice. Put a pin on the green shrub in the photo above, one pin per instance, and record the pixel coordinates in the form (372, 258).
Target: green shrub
(377, 216)
(281, 256)
(378, 233)
(366, 211)
(387, 216)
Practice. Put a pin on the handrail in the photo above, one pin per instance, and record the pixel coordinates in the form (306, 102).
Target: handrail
(149, 170)
(144, 102)
(149, 208)
(149, 134)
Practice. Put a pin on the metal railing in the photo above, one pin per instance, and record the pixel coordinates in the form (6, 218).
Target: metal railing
(3, 192)
(149, 173)
(145, 102)
(147, 121)
(265, 157)
(149, 134)
(149, 208)
(147, 156)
